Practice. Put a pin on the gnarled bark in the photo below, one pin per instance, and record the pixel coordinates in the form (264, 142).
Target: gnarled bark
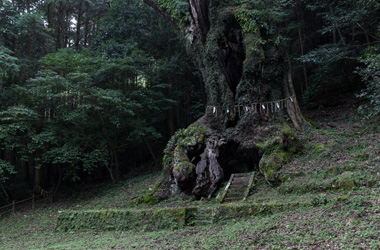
(239, 71)
(200, 22)
(208, 170)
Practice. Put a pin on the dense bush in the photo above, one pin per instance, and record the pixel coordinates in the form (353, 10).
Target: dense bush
(370, 74)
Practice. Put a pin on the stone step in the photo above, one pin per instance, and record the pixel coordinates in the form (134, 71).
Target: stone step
(235, 192)
(237, 188)
(228, 199)
(241, 178)
(235, 198)
(242, 174)
(239, 183)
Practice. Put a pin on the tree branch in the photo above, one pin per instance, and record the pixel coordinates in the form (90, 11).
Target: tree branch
(200, 17)
(162, 11)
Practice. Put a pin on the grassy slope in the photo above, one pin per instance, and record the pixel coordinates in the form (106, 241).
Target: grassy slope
(344, 146)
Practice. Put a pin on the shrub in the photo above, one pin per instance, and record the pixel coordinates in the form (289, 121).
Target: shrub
(370, 74)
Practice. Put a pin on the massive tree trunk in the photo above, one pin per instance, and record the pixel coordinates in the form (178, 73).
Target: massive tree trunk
(248, 86)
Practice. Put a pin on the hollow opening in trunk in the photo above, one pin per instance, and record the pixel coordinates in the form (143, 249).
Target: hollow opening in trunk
(235, 159)
(194, 153)
(231, 54)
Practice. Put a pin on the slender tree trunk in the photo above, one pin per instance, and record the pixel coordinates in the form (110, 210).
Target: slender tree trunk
(50, 15)
(4, 191)
(300, 37)
(67, 29)
(29, 40)
(113, 168)
(115, 162)
(171, 120)
(60, 26)
(337, 30)
(79, 24)
(38, 163)
(60, 176)
(365, 33)
(14, 44)
(293, 108)
(150, 150)
(37, 172)
(170, 113)
(86, 31)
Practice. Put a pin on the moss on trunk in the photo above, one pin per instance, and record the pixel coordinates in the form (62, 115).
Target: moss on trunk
(242, 65)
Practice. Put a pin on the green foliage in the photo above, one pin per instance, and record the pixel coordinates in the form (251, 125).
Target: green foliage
(8, 63)
(5, 170)
(325, 55)
(320, 200)
(370, 75)
(262, 17)
(77, 110)
(178, 9)
(337, 37)
(83, 110)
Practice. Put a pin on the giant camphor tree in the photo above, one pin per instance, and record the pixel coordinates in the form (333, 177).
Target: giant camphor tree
(247, 74)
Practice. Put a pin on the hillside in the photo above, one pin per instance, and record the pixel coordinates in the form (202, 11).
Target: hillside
(341, 159)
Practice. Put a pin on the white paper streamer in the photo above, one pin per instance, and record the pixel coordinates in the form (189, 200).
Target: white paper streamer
(272, 106)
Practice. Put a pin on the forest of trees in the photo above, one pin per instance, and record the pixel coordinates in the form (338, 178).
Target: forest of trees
(92, 90)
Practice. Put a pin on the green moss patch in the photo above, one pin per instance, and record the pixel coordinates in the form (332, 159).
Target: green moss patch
(278, 152)
(171, 218)
(271, 164)
(177, 146)
(176, 158)
(345, 181)
(103, 220)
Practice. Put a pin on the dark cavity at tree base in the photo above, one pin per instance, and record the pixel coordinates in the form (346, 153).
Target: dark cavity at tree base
(198, 159)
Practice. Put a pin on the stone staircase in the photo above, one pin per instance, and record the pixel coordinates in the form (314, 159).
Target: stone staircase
(203, 217)
(238, 187)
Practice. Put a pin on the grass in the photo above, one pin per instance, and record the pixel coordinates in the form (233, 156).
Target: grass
(348, 225)
(344, 147)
